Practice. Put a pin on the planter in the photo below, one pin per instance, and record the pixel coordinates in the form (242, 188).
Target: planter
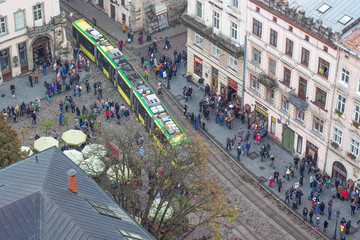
(351, 156)
(338, 112)
(356, 124)
(335, 145)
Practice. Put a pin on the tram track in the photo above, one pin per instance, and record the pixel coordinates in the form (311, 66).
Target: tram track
(237, 177)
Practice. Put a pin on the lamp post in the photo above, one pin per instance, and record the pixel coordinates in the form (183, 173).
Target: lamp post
(337, 217)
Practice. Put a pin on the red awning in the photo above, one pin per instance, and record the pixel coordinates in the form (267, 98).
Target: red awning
(350, 182)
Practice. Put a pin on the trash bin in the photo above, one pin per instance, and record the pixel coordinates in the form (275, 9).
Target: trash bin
(294, 206)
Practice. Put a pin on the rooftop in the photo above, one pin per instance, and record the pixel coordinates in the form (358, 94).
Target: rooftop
(35, 203)
(350, 40)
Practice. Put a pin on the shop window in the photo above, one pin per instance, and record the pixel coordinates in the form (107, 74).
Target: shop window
(273, 37)
(19, 20)
(216, 20)
(256, 56)
(299, 144)
(300, 114)
(233, 63)
(5, 61)
(354, 147)
(37, 12)
(284, 104)
(302, 88)
(234, 30)
(254, 84)
(345, 76)
(305, 56)
(318, 125)
(357, 113)
(2, 25)
(199, 9)
(272, 66)
(341, 102)
(324, 67)
(320, 98)
(289, 47)
(22, 54)
(287, 76)
(215, 51)
(198, 40)
(198, 65)
(257, 27)
(337, 136)
(270, 93)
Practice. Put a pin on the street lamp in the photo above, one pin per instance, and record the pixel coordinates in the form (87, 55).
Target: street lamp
(337, 217)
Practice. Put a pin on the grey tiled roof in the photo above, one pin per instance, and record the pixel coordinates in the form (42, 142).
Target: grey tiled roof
(35, 203)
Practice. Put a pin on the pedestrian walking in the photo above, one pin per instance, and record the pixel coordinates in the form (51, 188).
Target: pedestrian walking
(317, 223)
(123, 26)
(287, 173)
(305, 213)
(228, 144)
(267, 150)
(33, 115)
(272, 161)
(325, 226)
(257, 138)
(271, 182)
(262, 152)
(342, 227)
(36, 76)
(287, 198)
(201, 81)
(248, 145)
(347, 226)
(279, 185)
(31, 79)
(121, 44)
(311, 214)
(44, 66)
(12, 89)
(276, 176)
(87, 84)
(55, 134)
(353, 206)
(141, 152)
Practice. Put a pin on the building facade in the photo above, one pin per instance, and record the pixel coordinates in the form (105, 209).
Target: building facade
(215, 45)
(343, 155)
(291, 74)
(31, 32)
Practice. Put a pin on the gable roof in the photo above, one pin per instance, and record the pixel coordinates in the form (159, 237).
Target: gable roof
(35, 203)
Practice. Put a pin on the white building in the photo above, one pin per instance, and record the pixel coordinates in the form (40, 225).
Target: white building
(30, 32)
(216, 31)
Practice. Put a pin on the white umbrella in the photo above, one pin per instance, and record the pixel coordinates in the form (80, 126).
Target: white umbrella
(94, 150)
(154, 208)
(93, 166)
(74, 137)
(75, 156)
(45, 143)
(26, 149)
(121, 172)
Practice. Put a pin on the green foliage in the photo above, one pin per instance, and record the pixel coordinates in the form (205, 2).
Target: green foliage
(67, 117)
(24, 132)
(9, 144)
(46, 126)
(335, 145)
(338, 112)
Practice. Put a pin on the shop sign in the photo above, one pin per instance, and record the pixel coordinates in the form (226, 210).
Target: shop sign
(198, 60)
(261, 108)
(232, 84)
(262, 111)
(339, 171)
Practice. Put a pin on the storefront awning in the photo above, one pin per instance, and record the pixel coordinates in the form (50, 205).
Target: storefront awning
(350, 182)
(297, 102)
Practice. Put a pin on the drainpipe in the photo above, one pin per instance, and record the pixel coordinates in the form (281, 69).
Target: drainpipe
(243, 80)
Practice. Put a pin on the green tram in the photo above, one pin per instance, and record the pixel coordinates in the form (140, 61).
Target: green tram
(133, 88)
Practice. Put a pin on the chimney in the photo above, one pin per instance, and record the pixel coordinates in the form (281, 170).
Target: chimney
(72, 180)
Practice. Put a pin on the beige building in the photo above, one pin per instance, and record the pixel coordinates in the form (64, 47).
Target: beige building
(344, 145)
(215, 40)
(30, 32)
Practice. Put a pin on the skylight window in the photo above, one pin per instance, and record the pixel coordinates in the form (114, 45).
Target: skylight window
(129, 236)
(323, 8)
(345, 19)
(105, 210)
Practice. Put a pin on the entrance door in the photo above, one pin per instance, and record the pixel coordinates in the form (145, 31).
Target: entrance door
(5, 64)
(23, 57)
(313, 151)
(339, 172)
(41, 50)
(214, 80)
(112, 10)
(288, 137)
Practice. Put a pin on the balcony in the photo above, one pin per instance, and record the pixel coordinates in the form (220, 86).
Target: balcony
(267, 81)
(297, 102)
(39, 30)
(217, 39)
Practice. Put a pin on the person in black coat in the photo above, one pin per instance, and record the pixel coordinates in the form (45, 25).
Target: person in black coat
(325, 225)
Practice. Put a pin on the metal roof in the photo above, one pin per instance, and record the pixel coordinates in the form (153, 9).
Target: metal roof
(35, 203)
(329, 11)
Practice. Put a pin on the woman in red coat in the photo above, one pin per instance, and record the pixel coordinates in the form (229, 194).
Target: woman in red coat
(79, 66)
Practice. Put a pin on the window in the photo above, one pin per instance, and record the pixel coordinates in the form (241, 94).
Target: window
(19, 20)
(305, 56)
(272, 66)
(234, 28)
(199, 9)
(123, 3)
(345, 76)
(275, 19)
(273, 37)
(254, 84)
(2, 25)
(357, 113)
(320, 98)
(198, 40)
(289, 47)
(323, 8)
(233, 63)
(256, 57)
(198, 65)
(257, 27)
(287, 76)
(323, 68)
(341, 102)
(302, 88)
(37, 12)
(337, 136)
(358, 86)
(354, 147)
(300, 115)
(284, 104)
(318, 125)
(106, 210)
(299, 144)
(235, 3)
(129, 235)
(215, 51)
(216, 20)
(345, 19)
(270, 93)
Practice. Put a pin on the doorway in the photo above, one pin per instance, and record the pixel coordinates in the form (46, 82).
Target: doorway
(112, 11)
(41, 51)
(23, 57)
(5, 64)
(288, 137)
(214, 80)
(339, 172)
(313, 151)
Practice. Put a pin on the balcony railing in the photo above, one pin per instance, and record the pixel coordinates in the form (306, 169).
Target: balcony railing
(267, 81)
(297, 102)
(207, 32)
(39, 30)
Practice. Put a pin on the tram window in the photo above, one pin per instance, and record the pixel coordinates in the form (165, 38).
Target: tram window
(143, 112)
(124, 86)
(86, 43)
(160, 135)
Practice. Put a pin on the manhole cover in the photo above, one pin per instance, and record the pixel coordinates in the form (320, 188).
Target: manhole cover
(261, 180)
(179, 97)
(262, 168)
(253, 155)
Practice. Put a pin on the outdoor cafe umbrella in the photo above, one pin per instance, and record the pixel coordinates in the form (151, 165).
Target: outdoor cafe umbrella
(45, 143)
(94, 150)
(75, 156)
(26, 149)
(122, 172)
(74, 137)
(154, 208)
(93, 166)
